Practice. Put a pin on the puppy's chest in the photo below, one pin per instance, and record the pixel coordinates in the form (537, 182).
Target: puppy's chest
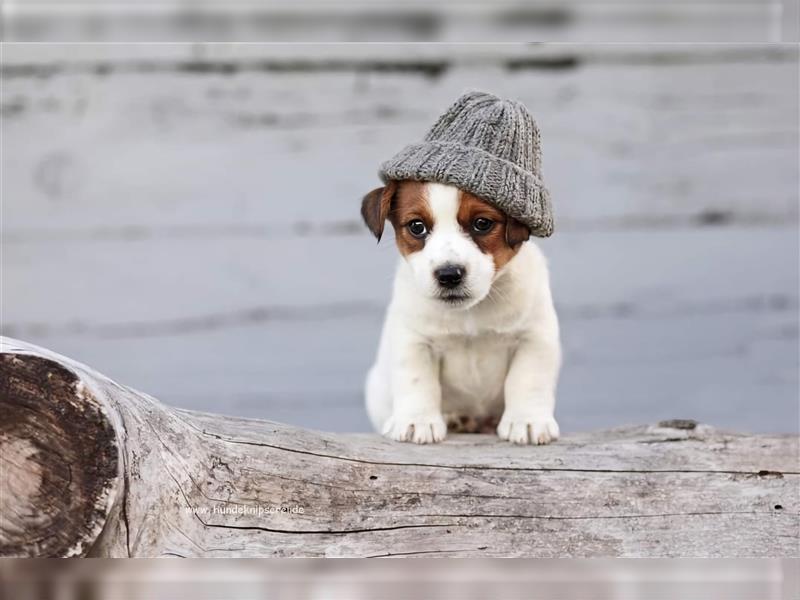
(473, 370)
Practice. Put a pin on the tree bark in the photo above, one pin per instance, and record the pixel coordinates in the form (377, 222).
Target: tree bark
(92, 468)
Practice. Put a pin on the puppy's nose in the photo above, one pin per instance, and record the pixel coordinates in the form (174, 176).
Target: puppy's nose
(449, 276)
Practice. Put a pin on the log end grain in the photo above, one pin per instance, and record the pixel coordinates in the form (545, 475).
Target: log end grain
(59, 460)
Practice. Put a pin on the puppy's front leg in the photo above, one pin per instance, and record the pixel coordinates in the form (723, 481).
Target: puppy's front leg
(530, 390)
(416, 393)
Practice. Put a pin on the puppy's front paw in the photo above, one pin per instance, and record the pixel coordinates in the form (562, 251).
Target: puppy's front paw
(521, 428)
(420, 429)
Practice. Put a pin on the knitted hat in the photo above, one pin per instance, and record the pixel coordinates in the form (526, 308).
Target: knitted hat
(489, 147)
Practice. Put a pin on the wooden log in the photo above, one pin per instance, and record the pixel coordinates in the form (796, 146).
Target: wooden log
(90, 467)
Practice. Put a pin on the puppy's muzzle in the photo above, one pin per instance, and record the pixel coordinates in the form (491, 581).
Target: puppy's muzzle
(450, 276)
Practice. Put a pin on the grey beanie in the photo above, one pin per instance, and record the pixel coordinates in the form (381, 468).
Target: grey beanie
(489, 147)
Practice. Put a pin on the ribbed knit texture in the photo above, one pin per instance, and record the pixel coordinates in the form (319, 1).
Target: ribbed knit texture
(487, 146)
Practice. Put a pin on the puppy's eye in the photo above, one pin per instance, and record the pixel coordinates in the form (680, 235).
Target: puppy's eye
(417, 228)
(482, 225)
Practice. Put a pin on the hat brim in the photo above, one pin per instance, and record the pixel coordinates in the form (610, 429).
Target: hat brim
(516, 192)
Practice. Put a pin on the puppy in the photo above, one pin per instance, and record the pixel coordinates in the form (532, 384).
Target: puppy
(471, 337)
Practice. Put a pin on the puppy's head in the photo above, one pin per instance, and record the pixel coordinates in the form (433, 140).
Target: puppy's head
(455, 242)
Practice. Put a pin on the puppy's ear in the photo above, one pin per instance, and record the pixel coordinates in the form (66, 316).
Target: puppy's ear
(516, 232)
(375, 207)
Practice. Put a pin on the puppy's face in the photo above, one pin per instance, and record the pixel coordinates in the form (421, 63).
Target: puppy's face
(455, 243)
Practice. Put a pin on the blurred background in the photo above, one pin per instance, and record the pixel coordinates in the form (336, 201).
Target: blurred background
(184, 216)
(467, 579)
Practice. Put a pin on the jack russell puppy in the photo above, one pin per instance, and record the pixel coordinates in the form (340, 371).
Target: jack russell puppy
(470, 341)
(471, 336)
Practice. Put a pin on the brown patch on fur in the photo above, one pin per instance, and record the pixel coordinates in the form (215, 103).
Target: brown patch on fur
(410, 202)
(375, 207)
(503, 241)
(471, 423)
(516, 232)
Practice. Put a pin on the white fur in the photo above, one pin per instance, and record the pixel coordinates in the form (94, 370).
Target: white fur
(498, 353)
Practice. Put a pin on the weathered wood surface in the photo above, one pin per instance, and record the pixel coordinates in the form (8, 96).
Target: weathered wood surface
(92, 467)
(177, 199)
